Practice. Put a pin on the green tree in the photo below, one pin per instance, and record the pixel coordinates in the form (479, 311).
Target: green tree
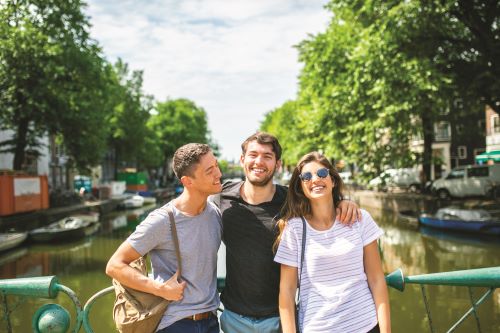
(447, 50)
(51, 79)
(360, 97)
(130, 138)
(462, 37)
(178, 122)
(283, 123)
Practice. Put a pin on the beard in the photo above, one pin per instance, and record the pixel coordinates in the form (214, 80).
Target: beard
(261, 182)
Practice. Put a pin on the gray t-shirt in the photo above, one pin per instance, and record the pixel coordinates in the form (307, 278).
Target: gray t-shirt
(199, 240)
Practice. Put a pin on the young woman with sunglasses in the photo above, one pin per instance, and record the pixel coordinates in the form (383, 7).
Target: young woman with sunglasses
(342, 285)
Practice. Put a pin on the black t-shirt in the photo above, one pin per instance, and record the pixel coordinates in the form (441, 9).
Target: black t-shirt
(252, 276)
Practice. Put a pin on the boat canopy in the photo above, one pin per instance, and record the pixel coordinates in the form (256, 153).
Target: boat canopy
(452, 213)
(493, 155)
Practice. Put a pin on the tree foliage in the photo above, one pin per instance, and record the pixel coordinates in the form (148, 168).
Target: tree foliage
(178, 122)
(55, 81)
(462, 37)
(283, 123)
(382, 72)
(130, 138)
(51, 79)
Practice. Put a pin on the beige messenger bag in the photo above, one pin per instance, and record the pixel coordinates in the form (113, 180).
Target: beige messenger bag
(136, 311)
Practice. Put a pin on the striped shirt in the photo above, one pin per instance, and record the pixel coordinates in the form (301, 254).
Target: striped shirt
(334, 292)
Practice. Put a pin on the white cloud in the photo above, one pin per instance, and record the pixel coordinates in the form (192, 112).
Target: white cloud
(234, 58)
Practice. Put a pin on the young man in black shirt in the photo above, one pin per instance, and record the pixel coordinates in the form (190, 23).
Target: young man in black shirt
(249, 208)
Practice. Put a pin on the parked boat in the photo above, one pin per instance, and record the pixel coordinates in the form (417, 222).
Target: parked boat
(10, 240)
(118, 222)
(88, 216)
(68, 229)
(465, 220)
(134, 201)
(149, 200)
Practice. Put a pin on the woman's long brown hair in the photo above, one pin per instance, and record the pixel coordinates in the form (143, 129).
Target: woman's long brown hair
(297, 204)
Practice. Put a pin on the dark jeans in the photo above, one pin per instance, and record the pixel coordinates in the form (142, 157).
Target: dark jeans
(376, 329)
(210, 325)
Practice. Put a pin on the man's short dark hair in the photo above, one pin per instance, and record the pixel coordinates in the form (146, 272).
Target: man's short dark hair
(263, 138)
(187, 156)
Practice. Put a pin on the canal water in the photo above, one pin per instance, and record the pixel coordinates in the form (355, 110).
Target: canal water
(80, 266)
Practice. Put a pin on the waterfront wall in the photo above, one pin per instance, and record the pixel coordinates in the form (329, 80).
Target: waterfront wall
(395, 202)
(416, 202)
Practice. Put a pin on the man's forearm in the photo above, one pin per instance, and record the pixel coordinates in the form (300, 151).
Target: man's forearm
(132, 278)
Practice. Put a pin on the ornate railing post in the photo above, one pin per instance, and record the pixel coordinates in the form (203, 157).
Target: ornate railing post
(49, 317)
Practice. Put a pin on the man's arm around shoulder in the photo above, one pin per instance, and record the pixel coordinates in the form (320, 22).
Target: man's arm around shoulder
(118, 268)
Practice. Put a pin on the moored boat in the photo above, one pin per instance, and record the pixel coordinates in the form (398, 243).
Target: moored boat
(134, 201)
(67, 229)
(464, 220)
(149, 201)
(10, 240)
(87, 216)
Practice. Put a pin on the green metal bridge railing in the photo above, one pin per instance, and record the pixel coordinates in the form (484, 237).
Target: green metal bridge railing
(481, 277)
(56, 319)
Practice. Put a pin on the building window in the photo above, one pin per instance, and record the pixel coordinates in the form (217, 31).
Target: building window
(495, 124)
(442, 131)
(478, 172)
(456, 174)
(462, 152)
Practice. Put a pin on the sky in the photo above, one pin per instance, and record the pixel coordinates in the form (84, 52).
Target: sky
(234, 58)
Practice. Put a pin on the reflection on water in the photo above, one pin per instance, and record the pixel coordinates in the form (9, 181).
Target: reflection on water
(418, 251)
(80, 266)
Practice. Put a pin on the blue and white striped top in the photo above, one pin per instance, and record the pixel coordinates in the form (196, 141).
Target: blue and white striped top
(334, 292)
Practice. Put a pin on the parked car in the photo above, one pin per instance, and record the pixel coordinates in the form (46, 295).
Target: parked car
(469, 180)
(402, 178)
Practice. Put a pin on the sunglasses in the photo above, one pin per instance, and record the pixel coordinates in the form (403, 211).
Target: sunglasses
(321, 173)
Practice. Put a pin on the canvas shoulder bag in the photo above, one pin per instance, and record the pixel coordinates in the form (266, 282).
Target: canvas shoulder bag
(136, 311)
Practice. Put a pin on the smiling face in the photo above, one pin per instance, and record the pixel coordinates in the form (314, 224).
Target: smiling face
(206, 176)
(259, 163)
(316, 187)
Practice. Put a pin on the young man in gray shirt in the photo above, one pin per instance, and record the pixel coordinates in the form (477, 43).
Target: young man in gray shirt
(198, 222)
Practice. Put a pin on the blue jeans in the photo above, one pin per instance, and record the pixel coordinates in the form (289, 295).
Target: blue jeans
(231, 322)
(210, 325)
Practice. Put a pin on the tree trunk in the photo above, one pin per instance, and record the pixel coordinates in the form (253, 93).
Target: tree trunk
(428, 131)
(21, 143)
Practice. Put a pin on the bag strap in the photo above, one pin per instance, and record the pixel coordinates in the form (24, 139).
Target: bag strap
(304, 234)
(175, 238)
